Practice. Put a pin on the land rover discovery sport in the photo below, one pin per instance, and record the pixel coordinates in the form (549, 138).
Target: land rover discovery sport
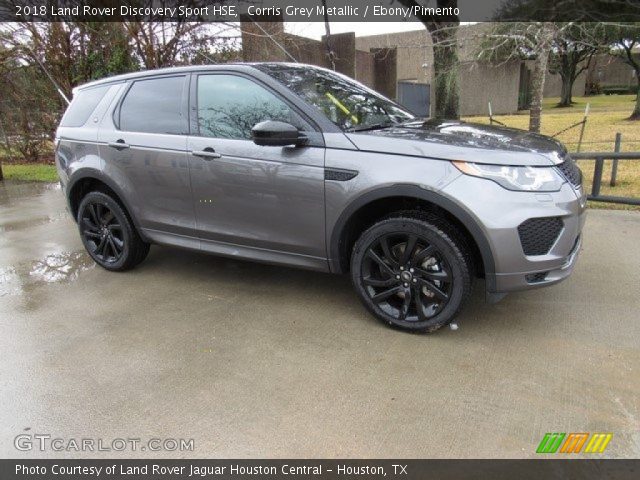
(298, 165)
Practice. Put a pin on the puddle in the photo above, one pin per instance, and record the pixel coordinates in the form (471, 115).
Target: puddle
(12, 191)
(34, 222)
(55, 268)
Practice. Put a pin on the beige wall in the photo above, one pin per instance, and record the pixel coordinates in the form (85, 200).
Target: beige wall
(414, 50)
(611, 71)
(553, 85)
(365, 68)
(306, 50)
(480, 83)
(348, 60)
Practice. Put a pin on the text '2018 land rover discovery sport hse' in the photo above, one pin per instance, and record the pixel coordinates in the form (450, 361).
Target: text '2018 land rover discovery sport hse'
(301, 166)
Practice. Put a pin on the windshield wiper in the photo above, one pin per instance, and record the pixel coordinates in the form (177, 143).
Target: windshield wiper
(375, 126)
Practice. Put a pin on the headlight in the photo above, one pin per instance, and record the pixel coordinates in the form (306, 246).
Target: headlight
(527, 179)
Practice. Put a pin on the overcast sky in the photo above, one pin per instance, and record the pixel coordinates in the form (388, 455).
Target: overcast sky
(316, 29)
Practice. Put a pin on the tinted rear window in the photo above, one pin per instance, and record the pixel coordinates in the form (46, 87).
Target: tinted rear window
(154, 106)
(82, 106)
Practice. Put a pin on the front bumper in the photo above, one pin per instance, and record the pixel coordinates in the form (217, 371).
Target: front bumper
(506, 282)
(499, 212)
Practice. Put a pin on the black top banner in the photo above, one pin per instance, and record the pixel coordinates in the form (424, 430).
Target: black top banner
(321, 10)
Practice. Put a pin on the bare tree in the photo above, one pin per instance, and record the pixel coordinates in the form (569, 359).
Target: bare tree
(625, 41)
(28, 112)
(523, 41)
(159, 44)
(45, 57)
(445, 58)
(571, 54)
(542, 49)
(29, 106)
(5, 59)
(72, 53)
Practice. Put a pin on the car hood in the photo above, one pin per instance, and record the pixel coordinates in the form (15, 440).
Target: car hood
(453, 140)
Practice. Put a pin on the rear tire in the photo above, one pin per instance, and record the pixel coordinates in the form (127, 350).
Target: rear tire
(108, 233)
(413, 271)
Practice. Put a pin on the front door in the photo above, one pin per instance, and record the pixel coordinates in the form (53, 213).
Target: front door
(266, 201)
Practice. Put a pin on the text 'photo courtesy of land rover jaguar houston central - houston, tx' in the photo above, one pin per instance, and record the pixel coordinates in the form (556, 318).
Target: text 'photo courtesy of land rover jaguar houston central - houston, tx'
(298, 165)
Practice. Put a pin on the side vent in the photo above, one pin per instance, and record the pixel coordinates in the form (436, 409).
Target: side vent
(339, 175)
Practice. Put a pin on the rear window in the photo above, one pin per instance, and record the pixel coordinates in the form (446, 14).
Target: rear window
(154, 106)
(82, 106)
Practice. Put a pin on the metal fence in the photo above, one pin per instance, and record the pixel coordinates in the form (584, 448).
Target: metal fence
(598, 170)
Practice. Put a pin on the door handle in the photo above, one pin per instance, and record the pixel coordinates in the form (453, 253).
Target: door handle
(207, 154)
(119, 145)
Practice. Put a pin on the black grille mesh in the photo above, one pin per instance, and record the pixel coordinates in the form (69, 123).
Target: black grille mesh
(537, 235)
(536, 277)
(338, 174)
(571, 172)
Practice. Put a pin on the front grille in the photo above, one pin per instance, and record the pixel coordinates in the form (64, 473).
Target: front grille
(570, 171)
(536, 277)
(537, 235)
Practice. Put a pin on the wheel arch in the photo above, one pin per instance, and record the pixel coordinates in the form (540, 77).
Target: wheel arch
(371, 206)
(89, 180)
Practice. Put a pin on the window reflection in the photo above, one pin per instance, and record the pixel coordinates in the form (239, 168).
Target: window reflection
(346, 103)
(229, 106)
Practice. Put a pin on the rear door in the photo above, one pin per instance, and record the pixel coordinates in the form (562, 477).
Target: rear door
(262, 198)
(144, 147)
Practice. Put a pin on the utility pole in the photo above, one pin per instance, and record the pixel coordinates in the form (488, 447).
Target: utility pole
(7, 146)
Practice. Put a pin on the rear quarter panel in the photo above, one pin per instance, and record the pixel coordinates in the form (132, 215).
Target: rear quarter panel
(77, 148)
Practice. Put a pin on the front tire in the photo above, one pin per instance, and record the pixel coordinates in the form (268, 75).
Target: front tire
(412, 271)
(108, 234)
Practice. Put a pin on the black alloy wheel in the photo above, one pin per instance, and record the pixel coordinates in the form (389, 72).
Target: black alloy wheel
(102, 232)
(410, 273)
(407, 277)
(108, 234)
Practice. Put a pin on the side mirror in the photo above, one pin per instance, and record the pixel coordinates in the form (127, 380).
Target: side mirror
(276, 134)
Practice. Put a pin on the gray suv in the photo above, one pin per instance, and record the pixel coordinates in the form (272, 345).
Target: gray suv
(298, 165)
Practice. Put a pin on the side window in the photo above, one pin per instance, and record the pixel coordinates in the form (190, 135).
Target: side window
(82, 106)
(154, 106)
(229, 106)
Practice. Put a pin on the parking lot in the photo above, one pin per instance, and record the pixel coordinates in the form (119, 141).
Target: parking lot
(253, 360)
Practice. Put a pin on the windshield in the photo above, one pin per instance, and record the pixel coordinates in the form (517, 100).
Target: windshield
(348, 104)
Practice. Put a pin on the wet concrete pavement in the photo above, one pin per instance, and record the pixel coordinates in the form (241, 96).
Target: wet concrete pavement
(254, 360)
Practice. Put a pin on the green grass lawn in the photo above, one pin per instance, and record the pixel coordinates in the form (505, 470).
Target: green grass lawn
(608, 115)
(30, 172)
